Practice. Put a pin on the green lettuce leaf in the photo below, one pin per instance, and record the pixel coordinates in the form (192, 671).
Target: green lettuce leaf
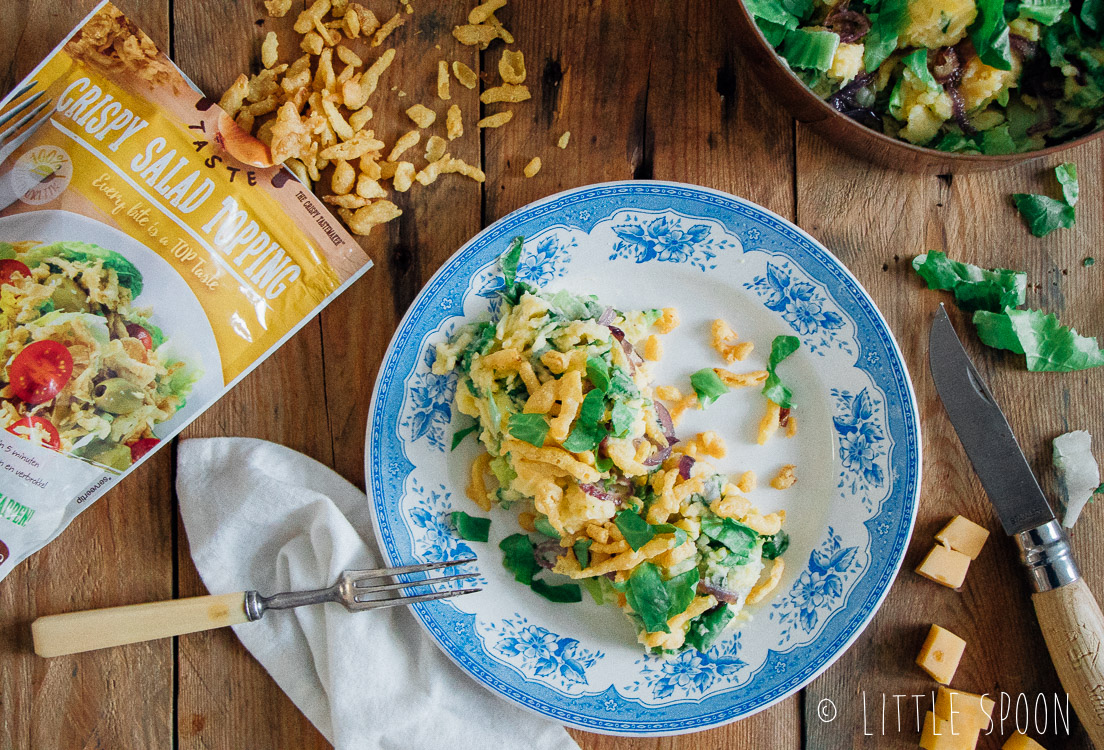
(773, 388)
(647, 594)
(582, 551)
(803, 48)
(708, 626)
(567, 593)
(1046, 12)
(974, 288)
(775, 545)
(636, 530)
(471, 528)
(532, 428)
(86, 252)
(519, 558)
(544, 526)
(886, 26)
(997, 141)
(708, 386)
(459, 435)
(587, 432)
(989, 32)
(737, 537)
(917, 62)
(598, 372)
(773, 12)
(1067, 178)
(1048, 346)
(681, 590)
(509, 263)
(1043, 214)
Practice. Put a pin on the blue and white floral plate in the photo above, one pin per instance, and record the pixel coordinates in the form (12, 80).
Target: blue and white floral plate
(857, 453)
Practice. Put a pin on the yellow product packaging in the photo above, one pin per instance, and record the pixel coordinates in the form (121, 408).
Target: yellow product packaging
(150, 256)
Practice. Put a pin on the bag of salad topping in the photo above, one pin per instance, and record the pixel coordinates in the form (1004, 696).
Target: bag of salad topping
(150, 256)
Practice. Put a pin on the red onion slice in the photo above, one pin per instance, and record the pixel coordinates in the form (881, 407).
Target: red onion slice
(946, 66)
(958, 107)
(657, 458)
(602, 494)
(606, 317)
(634, 358)
(783, 416)
(721, 594)
(686, 463)
(851, 25)
(666, 423)
(546, 553)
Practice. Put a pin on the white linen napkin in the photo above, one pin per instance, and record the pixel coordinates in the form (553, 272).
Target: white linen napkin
(261, 516)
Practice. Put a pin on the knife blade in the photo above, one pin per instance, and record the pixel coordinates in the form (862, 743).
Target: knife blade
(985, 434)
(1069, 616)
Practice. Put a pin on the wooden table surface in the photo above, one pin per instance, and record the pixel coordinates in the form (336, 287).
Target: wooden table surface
(648, 89)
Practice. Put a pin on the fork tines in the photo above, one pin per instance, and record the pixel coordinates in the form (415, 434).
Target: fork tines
(366, 584)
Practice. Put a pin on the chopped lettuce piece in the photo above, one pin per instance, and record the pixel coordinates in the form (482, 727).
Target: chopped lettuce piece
(86, 252)
(773, 388)
(519, 558)
(459, 435)
(509, 262)
(1067, 178)
(471, 528)
(805, 48)
(886, 26)
(708, 626)
(544, 526)
(1092, 14)
(1047, 344)
(775, 545)
(582, 551)
(989, 33)
(917, 62)
(773, 12)
(681, 591)
(1078, 473)
(622, 418)
(636, 530)
(587, 432)
(567, 593)
(531, 428)
(708, 386)
(974, 288)
(648, 596)
(1046, 12)
(737, 537)
(1044, 214)
(773, 32)
(598, 372)
(997, 141)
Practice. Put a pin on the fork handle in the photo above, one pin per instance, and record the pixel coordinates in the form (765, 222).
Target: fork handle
(74, 632)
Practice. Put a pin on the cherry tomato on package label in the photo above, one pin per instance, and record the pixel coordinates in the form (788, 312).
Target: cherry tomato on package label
(53, 439)
(138, 332)
(141, 447)
(9, 267)
(40, 371)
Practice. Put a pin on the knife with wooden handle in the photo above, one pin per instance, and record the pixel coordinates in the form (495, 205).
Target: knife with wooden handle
(1069, 616)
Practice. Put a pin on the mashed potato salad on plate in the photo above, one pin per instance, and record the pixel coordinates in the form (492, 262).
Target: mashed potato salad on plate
(578, 441)
(677, 436)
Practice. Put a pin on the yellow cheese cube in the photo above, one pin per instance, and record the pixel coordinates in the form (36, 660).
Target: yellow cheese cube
(940, 654)
(1020, 741)
(944, 565)
(937, 735)
(970, 711)
(963, 535)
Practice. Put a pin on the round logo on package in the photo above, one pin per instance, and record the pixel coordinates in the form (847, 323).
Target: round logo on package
(42, 174)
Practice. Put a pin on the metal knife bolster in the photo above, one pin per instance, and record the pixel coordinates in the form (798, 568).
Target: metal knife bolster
(1045, 552)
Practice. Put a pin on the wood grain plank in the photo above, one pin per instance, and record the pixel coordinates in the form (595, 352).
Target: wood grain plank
(876, 221)
(225, 697)
(117, 552)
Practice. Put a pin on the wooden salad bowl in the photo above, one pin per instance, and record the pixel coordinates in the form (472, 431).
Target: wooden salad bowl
(852, 136)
